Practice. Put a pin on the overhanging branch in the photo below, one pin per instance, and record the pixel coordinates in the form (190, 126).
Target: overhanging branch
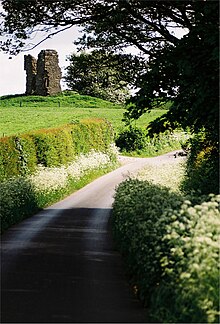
(47, 37)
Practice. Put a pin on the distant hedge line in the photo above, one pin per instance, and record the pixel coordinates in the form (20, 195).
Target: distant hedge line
(19, 155)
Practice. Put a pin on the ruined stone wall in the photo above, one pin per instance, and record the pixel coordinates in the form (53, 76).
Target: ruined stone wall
(47, 74)
(30, 65)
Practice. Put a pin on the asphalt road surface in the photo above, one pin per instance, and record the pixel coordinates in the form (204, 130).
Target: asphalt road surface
(61, 266)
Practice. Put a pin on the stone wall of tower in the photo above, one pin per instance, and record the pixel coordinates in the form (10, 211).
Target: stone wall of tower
(30, 66)
(48, 73)
(46, 80)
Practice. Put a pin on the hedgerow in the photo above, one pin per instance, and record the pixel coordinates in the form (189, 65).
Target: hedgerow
(20, 155)
(38, 168)
(21, 197)
(170, 249)
(137, 211)
(190, 265)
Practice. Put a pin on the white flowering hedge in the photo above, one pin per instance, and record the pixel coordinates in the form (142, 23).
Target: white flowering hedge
(48, 179)
(20, 197)
(190, 266)
(171, 249)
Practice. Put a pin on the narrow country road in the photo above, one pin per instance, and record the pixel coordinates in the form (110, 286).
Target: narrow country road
(60, 266)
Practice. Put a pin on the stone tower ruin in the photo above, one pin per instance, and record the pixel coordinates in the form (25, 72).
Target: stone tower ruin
(43, 75)
(30, 65)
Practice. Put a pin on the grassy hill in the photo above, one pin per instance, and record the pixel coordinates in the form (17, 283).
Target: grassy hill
(20, 113)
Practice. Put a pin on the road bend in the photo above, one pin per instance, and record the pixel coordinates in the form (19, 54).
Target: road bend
(61, 265)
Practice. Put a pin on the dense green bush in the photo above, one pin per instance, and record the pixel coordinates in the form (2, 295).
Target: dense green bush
(90, 134)
(131, 139)
(137, 140)
(28, 157)
(171, 251)
(202, 169)
(18, 201)
(19, 155)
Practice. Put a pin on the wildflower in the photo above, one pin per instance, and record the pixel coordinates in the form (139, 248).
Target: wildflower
(54, 178)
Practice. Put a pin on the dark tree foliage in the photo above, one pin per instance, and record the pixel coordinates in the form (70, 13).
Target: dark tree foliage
(187, 74)
(117, 23)
(182, 70)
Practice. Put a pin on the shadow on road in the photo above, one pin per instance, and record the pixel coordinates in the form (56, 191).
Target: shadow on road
(61, 266)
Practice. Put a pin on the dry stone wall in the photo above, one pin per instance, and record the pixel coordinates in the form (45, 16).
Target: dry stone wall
(43, 74)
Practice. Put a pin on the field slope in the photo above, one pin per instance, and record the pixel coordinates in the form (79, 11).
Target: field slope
(20, 114)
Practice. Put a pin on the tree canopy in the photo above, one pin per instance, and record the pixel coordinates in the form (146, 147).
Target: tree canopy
(182, 70)
(100, 74)
(117, 23)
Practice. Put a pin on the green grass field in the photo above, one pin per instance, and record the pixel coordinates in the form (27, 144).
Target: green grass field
(20, 114)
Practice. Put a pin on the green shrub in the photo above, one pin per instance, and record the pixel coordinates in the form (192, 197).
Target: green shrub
(202, 169)
(137, 140)
(90, 134)
(9, 158)
(18, 201)
(131, 139)
(28, 158)
(54, 146)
